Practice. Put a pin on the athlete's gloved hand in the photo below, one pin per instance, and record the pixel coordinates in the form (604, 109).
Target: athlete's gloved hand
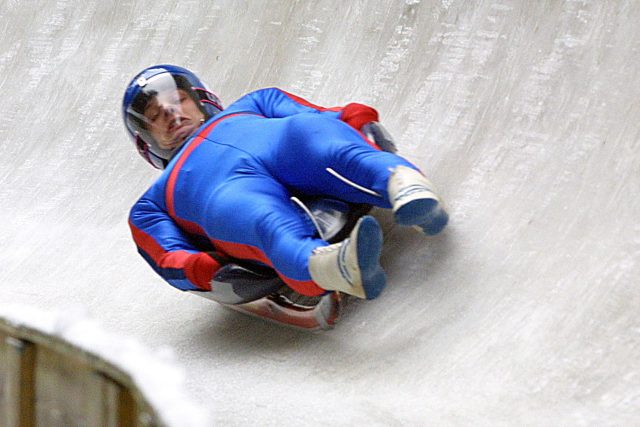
(357, 115)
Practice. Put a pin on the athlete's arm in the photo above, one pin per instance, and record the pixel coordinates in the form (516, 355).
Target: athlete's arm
(276, 103)
(168, 250)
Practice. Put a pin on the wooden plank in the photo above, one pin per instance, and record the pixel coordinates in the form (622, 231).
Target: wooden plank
(19, 387)
(68, 390)
(127, 407)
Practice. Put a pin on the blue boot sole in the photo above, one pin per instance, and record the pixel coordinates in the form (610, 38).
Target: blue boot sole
(435, 224)
(415, 212)
(369, 249)
(425, 213)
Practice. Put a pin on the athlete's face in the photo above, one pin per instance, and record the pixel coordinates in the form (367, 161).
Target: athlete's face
(172, 118)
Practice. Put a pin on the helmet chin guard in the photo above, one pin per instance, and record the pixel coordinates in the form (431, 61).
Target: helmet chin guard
(156, 93)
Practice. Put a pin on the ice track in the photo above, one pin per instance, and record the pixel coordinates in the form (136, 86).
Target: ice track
(525, 114)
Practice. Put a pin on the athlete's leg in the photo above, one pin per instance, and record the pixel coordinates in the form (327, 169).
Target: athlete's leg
(252, 218)
(325, 156)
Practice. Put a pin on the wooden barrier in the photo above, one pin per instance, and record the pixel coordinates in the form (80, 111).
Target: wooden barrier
(45, 381)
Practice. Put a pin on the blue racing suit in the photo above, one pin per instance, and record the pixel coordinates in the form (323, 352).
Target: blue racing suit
(228, 189)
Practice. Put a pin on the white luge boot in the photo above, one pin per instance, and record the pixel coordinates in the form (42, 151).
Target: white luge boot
(353, 265)
(415, 201)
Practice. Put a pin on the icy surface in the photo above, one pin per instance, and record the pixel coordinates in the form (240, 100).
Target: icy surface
(525, 114)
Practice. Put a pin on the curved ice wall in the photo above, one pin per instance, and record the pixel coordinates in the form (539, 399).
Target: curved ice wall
(525, 114)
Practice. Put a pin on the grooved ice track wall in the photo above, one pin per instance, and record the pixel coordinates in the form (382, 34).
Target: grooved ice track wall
(525, 116)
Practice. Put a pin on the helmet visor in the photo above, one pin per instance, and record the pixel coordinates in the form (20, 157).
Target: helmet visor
(164, 114)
